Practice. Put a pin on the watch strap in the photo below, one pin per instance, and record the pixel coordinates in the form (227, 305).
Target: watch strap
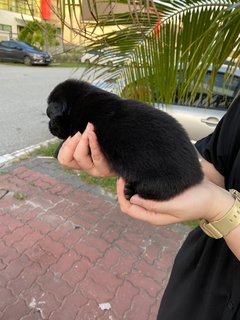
(222, 227)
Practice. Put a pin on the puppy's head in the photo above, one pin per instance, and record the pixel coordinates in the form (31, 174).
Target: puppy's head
(60, 103)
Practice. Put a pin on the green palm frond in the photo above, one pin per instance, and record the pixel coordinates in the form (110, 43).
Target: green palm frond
(159, 50)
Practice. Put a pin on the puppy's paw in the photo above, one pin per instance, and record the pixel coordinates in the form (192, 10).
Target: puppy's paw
(56, 152)
(129, 191)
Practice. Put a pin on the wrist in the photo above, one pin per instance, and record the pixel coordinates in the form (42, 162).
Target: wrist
(220, 202)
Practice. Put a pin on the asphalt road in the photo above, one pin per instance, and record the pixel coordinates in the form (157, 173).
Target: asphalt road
(23, 94)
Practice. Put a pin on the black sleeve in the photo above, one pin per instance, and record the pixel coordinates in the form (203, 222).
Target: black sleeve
(222, 146)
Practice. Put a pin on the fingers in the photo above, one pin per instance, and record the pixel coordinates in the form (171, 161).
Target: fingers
(96, 152)
(150, 205)
(65, 155)
(82, 153)
(136, 211)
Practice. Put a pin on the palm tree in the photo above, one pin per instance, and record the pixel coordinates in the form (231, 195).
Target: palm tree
(164, 47)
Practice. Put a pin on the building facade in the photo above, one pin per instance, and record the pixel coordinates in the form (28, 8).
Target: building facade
(14, 14)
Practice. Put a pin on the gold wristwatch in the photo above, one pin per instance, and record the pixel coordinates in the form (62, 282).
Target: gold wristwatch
(220, 228)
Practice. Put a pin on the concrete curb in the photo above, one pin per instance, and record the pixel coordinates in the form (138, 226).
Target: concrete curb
(17, 155)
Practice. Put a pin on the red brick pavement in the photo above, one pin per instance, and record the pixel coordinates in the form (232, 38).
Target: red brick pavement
(64, 252)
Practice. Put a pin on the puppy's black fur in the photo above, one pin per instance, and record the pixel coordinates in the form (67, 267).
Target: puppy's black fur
(145, 146)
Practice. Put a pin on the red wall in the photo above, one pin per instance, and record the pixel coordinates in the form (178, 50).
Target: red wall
(45, 9)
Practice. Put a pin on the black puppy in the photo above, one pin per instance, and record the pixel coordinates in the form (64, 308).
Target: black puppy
(145, 146)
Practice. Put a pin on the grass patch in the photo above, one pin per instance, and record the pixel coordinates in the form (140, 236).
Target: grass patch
(108, 184)
(19, 195)
(193, 224)
(46, 151)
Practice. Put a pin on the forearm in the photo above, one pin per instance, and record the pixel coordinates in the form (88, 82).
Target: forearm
(211, 173)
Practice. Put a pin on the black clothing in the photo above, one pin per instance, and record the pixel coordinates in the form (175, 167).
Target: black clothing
(205, 280)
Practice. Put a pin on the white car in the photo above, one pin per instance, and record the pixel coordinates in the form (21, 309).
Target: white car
(94, 59)
(201, 118)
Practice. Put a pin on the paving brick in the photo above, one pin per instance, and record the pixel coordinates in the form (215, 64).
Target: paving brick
(34, 315)
(28, 214)
(150, 271)
(55, 248)
(42, 202)
(10, 222)
(61, 231)
(17, 235)
(40, 256)
(7, 254)
(124, 266)
(40, 226)
(140, 281)
(25, 279)
(83, 249)
(87, 221)
(58, 188)
(3, 230)
(65, 262)
(6, 298)
(91, 311)
(129, 247)
(152, 253)
(78, 272)
(120, 304)
(65, 251)
(64, 208)
(40, 302)
(2, 265)
(72, 237)
(108, 230)
(15, 267)
(140, 308)
(3, 281)
(22, 172)
(53, 283)
(15, 311)
(112, 234)
(28, 241)
(99, 284)
(110, 259)
(70, 307)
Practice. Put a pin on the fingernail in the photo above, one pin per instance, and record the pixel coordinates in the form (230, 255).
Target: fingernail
(90, 126)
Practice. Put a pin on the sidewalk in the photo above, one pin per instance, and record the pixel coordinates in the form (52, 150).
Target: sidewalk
(68, 253)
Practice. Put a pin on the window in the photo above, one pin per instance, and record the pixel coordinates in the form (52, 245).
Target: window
(30, 7)
(5, 27)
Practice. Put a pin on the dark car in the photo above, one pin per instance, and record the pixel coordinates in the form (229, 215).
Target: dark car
(18, 51)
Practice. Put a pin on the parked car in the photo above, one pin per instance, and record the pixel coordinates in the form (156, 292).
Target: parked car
(93, 58)
(102, 57)
(18, 51)
(201, 117)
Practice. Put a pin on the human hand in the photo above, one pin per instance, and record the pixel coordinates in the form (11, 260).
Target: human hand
(82, 152)
(205, 200)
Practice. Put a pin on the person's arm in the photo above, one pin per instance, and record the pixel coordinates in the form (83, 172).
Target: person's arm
(205, 200)
(211, 173)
